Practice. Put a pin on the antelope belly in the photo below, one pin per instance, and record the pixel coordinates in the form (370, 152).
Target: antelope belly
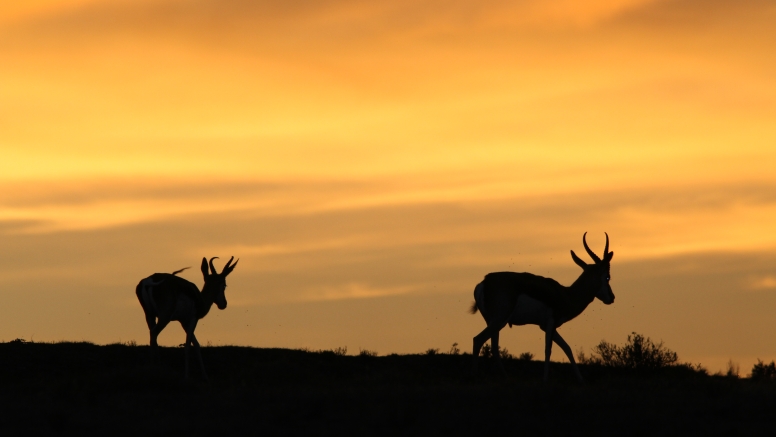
(529, 311)
(184, 308)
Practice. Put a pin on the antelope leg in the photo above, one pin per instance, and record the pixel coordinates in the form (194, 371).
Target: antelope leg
(494, 350)
(150, 321)
(479, 340)
(199, 355)
(549, 331)
(154, 332)
(567, 350)
(189, 335)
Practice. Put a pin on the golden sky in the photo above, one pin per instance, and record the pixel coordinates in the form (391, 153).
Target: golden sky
(370, 161)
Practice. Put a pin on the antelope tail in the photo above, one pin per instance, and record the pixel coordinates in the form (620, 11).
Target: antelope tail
(479, 299)
(178, 271)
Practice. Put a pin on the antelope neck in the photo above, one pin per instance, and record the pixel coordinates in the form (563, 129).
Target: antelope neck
(205, 302)
(579, 295)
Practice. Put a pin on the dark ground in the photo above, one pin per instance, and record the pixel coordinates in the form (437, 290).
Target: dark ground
(84, 389)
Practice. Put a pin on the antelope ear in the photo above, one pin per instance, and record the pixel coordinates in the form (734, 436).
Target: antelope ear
(578, 260)
(609, 256)
(204, 267)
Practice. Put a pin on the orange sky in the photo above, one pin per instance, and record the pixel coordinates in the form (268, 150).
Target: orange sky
(369, 162)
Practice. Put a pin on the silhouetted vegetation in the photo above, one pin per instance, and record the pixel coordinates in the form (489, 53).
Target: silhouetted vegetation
(525, 356)
(487, 352)
(638, 353)
(764, 372)
(732, 369)
(366, 353)
(84, 389)
(340, 351)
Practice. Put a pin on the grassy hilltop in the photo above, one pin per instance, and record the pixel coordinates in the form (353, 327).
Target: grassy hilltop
(85, 389)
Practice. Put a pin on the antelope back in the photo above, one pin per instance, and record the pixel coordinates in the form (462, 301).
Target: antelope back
(158, 294)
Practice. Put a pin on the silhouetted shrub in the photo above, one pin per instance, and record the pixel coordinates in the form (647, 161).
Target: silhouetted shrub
(487, 352)
(366, 353)
(525, 356)
(764, 372)
(454, 349)
(432, 351)
(733, 370)
(638, 353)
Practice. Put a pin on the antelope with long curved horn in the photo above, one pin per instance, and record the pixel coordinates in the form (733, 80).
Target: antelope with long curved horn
(527, 299)
(166, 297)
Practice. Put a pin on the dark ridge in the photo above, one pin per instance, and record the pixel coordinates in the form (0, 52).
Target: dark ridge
(85, 389)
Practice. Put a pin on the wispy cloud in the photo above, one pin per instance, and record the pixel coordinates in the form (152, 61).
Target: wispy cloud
(353, 291)
(360, 89)
(317, 216)
(764, 283)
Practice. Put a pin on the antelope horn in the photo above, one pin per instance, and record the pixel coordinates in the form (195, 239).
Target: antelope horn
(228, 264)
(590, 252)
(606, 248)
(213, 269)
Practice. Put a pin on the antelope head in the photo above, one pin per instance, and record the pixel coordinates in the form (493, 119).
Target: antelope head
(596, 276)
(215, 283)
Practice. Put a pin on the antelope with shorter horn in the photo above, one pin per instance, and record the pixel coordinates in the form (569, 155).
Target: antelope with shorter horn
(527, 299)
(166, 297)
